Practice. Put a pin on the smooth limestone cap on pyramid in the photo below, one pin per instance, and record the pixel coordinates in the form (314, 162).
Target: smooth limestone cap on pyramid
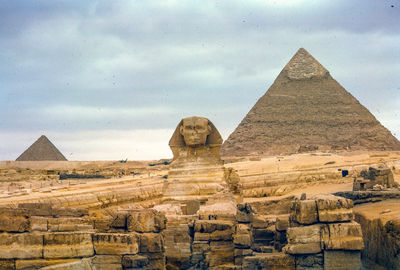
(305, 108)
(41, 150)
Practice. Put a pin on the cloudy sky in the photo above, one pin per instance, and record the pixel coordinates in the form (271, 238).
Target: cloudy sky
(111, 79)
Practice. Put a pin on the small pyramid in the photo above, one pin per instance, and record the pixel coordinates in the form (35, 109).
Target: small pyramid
(305, 109)
(41, 150)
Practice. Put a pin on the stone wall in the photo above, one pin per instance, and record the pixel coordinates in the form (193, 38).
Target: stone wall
(323, 234)
(39, 236)
(318, 232)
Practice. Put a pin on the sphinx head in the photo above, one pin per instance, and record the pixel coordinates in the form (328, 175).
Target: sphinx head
(195, 131)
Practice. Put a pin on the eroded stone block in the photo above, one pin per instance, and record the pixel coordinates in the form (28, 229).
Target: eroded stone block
(67, 245)
(304, 239)
(342, 236)
(116, 243)
(304, 212)
(21, 246)
(146, 220)
(342, 260)
(334, 209)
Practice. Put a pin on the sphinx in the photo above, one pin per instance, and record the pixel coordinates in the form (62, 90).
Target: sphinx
(197, 171)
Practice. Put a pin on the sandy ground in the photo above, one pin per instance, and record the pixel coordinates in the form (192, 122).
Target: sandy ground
(307, 163)
(385, 210)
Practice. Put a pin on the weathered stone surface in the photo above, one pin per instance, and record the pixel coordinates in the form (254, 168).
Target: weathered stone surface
(192, 206)
(215, 236)
(221, 252)
(304, 240)
(107, 262)
(342, 260)
(277, 261)
(14, 223)
(151, 243)
(146, 220)
(67, 245)
(334, 209)
(209, 226)
(21, 246)
(37, 209)
(7, 264)
(282, 223)
(243, 252)
(242, 228)
(135, 261)
(69, 212)
(29, 264)
(38, 224)
(342, 236)
(71, 224)
(83, 264)
(304, 212)
(307, 262)
(242, 240)
(116, 243)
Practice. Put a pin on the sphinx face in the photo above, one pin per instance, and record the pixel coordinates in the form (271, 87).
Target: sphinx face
(195, 131)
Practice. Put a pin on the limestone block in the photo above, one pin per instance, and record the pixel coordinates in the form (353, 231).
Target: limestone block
(221, 252)
(304, 212)
(63, 224)
(199, 247)
(107, 262)
(215, 236)
(314, 261)
(192, 206)
(243, 217)
(303, 240)
(102, 224)
(342, 260)
(135, 261)
(7, 264)
(273, 261)
(14, 223)
(156, 261)
(67, 245)
(37, 209)
(38, 263)
(69, 212)
(343, 236)
(242, 228)
(116, 243)
(151, 243)
(12, 211)
(119, 220)
(282, 223)
(83, 264)
(209, 226)
(242, 240)
(146, 220)
(242, 252)
(21, 246)
(107, 259)
(38, 224)
(334, 209)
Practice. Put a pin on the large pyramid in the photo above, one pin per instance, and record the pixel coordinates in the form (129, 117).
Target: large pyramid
(42, 149)
(305, 109)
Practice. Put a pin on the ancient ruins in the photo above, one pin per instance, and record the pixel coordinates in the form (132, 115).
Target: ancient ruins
(333, 204)
(41, 149)
(306, 110)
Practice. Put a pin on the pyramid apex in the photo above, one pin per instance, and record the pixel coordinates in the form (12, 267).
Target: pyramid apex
(304, 66)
